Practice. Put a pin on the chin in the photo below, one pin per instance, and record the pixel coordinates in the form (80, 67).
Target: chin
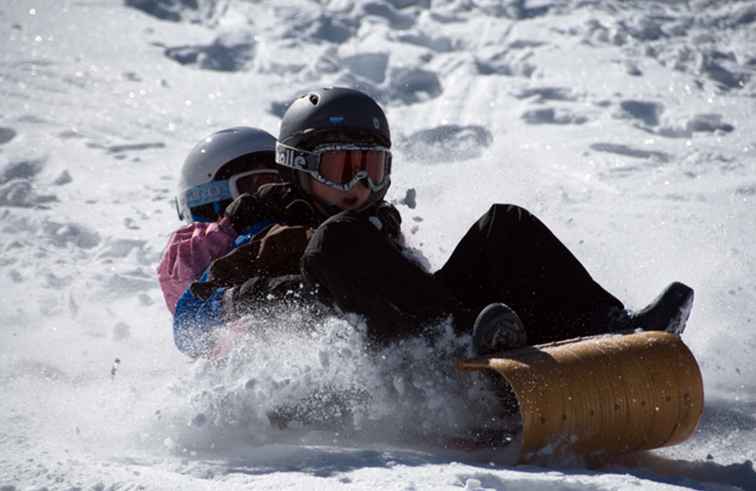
(351, 204)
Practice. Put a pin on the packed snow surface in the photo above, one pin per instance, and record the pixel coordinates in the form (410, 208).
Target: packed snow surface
(628, 127)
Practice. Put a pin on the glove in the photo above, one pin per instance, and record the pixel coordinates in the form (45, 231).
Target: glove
(390, 219)
(281, 249)
(277, 253)
(299, 212)
(232, 269)
(276, 202)
(244, 212)
(283, 204)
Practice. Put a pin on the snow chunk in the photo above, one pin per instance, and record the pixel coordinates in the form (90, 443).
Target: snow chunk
(63, 178)
(472, 485)
(371, 66)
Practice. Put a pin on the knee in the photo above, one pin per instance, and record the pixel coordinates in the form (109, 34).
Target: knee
(508, 209)
(504, 213)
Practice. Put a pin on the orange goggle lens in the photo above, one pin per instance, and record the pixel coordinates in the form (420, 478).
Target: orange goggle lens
(341, 166)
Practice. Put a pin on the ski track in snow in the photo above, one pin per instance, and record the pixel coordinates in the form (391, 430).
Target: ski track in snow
(628, 128)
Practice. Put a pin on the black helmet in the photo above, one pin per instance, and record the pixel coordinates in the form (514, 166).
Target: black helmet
(335, 115)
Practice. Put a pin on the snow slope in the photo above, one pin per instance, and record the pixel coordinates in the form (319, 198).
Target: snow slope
(627, 127)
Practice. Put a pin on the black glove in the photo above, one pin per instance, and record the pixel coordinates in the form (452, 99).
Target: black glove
(232, 269)
(277, 202)
(390, 219)
(277, 253)
(299, 212)
(245, 211)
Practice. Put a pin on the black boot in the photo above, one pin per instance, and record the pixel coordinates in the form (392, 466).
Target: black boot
(668, 312)
(498, 328)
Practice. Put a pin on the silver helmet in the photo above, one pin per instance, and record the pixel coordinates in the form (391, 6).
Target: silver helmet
(222, 166)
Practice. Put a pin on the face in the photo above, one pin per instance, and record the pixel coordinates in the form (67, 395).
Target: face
(353, 199)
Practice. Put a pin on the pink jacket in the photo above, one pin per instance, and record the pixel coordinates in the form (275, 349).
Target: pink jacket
(189, 252)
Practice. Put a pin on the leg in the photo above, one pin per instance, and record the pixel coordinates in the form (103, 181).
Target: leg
(510, 256)
(359, 270)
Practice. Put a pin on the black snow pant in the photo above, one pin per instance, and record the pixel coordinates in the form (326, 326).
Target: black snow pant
(507, 256)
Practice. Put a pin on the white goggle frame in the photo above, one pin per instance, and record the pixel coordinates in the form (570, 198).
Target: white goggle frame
(309, 163)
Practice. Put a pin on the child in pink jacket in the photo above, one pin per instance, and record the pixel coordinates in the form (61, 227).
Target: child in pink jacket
(219, 168)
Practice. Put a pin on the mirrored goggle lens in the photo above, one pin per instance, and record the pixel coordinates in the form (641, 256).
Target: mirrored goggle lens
(250, 182)
(341, 166)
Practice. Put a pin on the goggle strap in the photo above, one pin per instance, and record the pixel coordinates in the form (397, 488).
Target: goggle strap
(208, 192)
(296, 159)
(178, 209)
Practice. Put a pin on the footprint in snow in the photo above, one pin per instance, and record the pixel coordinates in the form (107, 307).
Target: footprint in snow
(16, 184)
(6, 135)
(510, 60)
(69, 134)
(645, 112)
(21, 169)
(628, 151)
(122, 151)
(395, 18)
(411, 85)
(229, 52)
(726, 74)
(543, 94)
(708, 123)
(552, 115)
(134, 147)
(446, 143)
(70, 233)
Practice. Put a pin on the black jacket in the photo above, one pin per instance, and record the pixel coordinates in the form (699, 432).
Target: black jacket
(269, 266)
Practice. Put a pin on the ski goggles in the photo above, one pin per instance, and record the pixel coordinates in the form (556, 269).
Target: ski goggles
(215, 192)
(250, 181)
(340, 166)
(230, 189)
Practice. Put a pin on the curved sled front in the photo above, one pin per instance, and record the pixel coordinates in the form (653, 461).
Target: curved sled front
(602, 395)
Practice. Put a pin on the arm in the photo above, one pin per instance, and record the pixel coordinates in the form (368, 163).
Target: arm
(264, 248)
(189, 252)
(195, 322)
(235, 283)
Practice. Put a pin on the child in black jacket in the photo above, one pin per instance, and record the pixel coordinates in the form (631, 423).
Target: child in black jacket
(509, 281)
